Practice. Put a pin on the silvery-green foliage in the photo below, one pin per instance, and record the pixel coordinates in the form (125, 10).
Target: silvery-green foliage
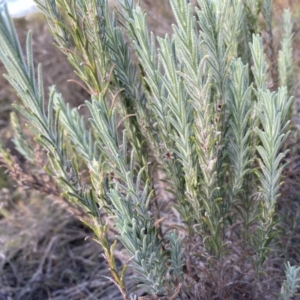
(160, 103)
(267, 10)
(130, 202)
(260, 66)
(74, 123)
(291, 284)
(272, 110)
(253, 9)
(272, 136)
(197, 106)
(176, 256)
(211, 17)
(233, 26)
(240, 133)
(20, 139)
(31, 91)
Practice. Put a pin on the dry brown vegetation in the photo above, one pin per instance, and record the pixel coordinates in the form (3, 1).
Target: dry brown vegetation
(46, 253)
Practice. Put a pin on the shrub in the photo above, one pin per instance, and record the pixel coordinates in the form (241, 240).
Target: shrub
(205, 109)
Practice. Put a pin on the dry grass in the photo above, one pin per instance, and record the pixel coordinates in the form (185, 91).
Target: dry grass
(44, 253)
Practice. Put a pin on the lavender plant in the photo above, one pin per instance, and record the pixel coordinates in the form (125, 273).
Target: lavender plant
(196, 107)
(291, 284)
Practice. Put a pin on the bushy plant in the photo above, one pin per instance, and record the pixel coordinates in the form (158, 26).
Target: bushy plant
(206, 109)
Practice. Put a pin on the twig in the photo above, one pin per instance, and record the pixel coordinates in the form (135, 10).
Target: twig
(128, 116)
